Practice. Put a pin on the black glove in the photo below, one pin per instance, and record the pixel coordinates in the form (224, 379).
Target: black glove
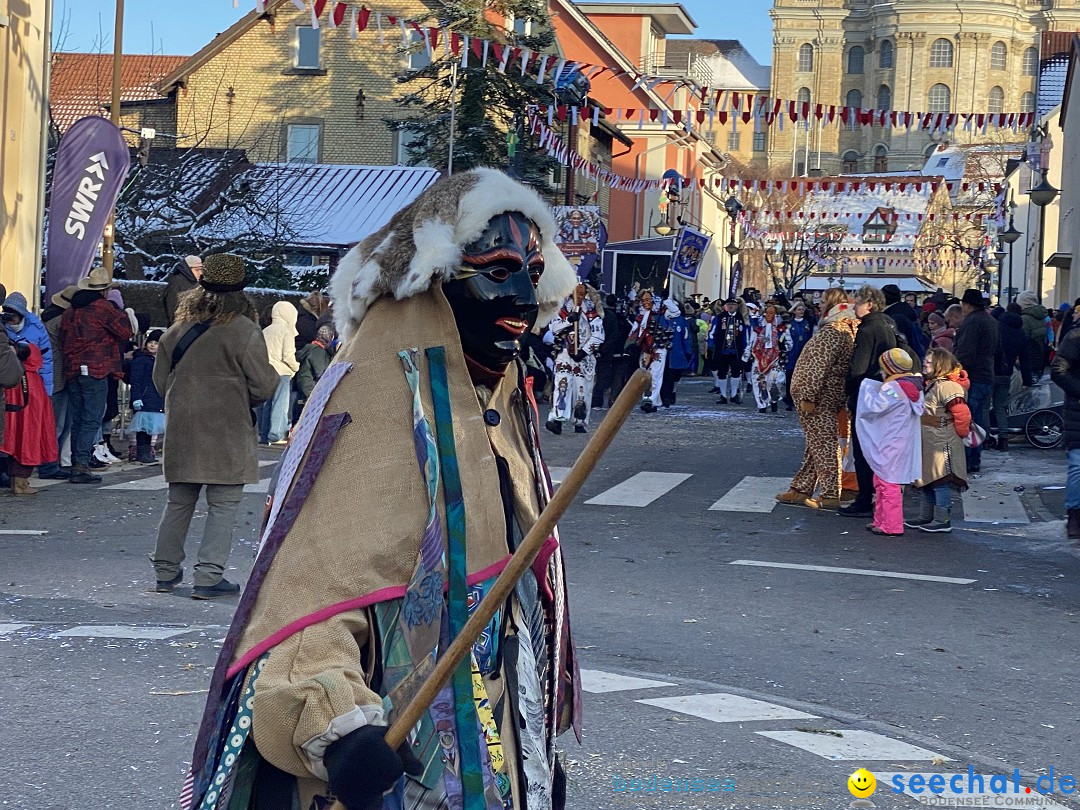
(362, 767)
(22, 350)
(573, 317)
(580, 355)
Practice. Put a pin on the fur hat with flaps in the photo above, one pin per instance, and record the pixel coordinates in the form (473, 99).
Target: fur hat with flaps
(423, 243)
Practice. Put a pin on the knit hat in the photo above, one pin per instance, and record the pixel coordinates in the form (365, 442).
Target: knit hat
(223, 272)
(1027, 298)
(193, 261)
(154, 335)
(895, 361)
(16, 302)
(936, 319)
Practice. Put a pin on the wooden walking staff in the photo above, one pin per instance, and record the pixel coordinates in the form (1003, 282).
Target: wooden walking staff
(519, 563)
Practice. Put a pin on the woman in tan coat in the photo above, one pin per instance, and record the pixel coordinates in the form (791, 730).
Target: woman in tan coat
(209, 389)
(945, 423)
(817, 388)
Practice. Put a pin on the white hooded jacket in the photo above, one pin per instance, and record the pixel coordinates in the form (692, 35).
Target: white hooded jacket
(280, 338)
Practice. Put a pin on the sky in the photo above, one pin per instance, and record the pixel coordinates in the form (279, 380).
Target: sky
(181, 27)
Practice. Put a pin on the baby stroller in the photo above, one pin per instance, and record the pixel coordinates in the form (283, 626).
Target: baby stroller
(1035, 413)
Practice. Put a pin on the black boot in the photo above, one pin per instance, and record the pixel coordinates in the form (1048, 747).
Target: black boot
(722, 401)
(1072, 527)
(1003, 444)
(554, 425)
(774, 407)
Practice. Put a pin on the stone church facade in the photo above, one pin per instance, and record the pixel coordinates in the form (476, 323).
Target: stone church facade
(912, 55)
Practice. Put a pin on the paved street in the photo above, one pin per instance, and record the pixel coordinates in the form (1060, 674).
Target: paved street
(766, 650)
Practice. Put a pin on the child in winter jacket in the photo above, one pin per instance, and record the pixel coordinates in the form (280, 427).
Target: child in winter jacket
(945, 422)
(148, 404)
(887, 423)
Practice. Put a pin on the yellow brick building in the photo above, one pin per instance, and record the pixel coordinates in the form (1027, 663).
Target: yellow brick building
(285, 91)
(911, 55)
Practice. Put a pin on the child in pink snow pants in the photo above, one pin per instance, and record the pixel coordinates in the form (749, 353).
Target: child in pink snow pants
(888, 424)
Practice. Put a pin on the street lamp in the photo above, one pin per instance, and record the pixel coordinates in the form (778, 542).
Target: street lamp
(999, 255)
(1042, 195)
(733, 208)
(1009, 237)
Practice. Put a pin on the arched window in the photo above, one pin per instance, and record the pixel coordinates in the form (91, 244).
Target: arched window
(855, 59)
(850, 163)
(999, 55)
(941, 53)
(854, 99)
(806, 58)
(929, 150)
(884, 98)
(1031, 62)
(804, 95)
(881, 159)
(885, 55)
(939, 99)
(996, 100)
(1027, 102)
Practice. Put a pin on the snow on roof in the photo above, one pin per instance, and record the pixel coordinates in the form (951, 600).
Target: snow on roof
(848, 213)
(314, 205)
(729, 65)
(908, 283)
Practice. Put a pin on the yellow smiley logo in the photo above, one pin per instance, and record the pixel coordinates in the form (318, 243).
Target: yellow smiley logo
(862, 784)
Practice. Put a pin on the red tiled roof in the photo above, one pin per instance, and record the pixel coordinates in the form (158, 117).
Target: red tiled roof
(81, 83)
(1056, 43)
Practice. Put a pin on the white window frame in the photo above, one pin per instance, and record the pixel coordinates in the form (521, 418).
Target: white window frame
(527, 27)
(1031, 62)
(858, 96)
(888, 97)
(936, 108)
(995, 100)
(760, 141)
(417, 59)
(999, 56)
(862, 60)
(806, 65)
(318, 49)
(804, 96)
(887, 47)
(400, 147)
(937, 55)
(734, 138)
(289, 156)
(1027, 102)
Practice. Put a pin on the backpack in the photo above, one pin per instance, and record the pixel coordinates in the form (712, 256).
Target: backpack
(903, 343)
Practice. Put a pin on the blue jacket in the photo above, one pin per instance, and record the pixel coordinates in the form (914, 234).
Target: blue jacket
(34, 331)
(682, 355)
(142, 383)
(800, 333)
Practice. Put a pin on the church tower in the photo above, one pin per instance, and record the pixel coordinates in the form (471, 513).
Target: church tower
(912, 55)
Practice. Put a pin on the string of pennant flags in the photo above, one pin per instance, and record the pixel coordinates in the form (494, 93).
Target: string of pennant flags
(550, 141)
(860, 215)
(720, 106)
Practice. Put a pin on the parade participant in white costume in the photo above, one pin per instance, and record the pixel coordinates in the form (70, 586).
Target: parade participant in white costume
(654, 341)
(579, 328)
(769, 341)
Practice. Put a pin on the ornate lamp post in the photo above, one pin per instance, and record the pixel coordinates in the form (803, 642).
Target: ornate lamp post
(1009, 237)
(1042, 195)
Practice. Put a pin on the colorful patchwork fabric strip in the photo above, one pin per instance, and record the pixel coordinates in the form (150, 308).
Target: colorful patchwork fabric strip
(217, 795)
(472, 778)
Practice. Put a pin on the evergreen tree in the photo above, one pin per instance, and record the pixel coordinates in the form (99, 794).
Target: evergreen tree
(491, 106)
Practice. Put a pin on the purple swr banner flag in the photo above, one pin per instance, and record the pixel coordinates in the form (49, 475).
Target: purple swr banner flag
(91, 164)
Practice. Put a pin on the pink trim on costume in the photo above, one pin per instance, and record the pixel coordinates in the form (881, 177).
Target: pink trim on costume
(540, 565)
(321, 615)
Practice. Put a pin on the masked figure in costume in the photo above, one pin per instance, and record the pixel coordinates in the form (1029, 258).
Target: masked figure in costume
(579, 332)
(768, 342)
(414, 473)
(654, 340)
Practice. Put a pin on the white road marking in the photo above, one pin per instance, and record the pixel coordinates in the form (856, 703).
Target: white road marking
(976, 798)
(558, 474)
(725, 708)
(865, 572)
(597, 682)
(159, 482)
(11, 628)
(853, 745)
(30, 532)
(639, 490)
(120, 631)
(752, 494)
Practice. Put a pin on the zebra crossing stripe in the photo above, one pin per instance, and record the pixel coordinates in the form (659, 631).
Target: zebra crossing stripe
(854, 745)
(11, 628)
(158, 482)
(751, 494)
(639, 490)
(865, 572)
(121, 631)
(598, 682)
(725, 708)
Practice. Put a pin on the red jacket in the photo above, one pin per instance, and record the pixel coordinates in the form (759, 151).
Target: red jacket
(92, 333)
(30, 432)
